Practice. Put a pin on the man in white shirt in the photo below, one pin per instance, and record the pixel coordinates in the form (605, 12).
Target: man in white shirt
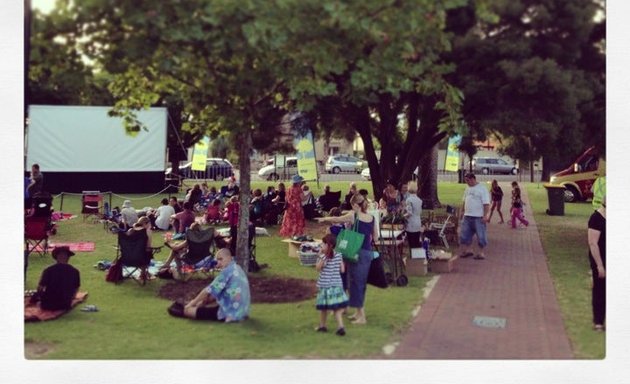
(474, 215)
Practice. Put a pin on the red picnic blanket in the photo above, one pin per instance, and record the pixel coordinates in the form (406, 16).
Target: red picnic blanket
(83, 246)
(32, 312)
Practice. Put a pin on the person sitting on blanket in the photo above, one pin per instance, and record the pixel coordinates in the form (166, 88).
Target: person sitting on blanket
(59, 282)
(226, 299)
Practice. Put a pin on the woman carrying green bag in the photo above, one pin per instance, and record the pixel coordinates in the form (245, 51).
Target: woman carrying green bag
(358, 272)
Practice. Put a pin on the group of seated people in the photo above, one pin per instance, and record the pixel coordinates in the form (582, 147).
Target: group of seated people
(265, 208)
(225, 299)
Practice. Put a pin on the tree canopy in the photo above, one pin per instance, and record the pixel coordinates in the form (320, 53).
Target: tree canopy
(535, 78)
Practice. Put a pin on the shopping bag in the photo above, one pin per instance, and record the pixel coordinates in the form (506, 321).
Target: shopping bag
(349, 241)
(376, 275)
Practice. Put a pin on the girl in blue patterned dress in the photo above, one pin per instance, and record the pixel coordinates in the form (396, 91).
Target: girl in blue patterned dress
(330, 293)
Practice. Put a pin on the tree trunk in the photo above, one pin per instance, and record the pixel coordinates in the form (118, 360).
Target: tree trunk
(175, 150)
(242, 243)
(546, 168)
(427, 179)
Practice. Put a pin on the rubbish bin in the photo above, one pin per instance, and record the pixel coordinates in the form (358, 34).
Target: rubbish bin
(555, 196)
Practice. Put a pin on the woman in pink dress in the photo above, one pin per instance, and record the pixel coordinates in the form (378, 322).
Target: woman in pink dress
(293, 220)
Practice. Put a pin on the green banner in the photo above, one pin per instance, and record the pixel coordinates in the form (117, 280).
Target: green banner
(200, 153)
(452, 154)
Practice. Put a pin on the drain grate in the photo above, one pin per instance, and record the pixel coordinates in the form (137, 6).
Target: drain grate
(489, 322)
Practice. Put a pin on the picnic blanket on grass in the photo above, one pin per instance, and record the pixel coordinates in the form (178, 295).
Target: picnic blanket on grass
(33, 312)
(60, 216)
(83, 246)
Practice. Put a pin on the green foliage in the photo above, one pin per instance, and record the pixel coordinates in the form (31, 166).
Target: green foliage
(133, 323)
(533, 76)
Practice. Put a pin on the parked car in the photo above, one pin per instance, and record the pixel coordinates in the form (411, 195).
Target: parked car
(216, 169)
(579, 177)
(491, 165)
(366, 174)
(281, 170)
(344, 163)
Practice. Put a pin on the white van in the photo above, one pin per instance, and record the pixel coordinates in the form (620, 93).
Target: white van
(279, 169)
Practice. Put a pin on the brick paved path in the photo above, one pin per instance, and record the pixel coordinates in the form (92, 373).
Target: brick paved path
(463, 315)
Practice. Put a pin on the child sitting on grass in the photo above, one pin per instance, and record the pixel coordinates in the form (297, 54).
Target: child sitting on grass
(330, 293)
(213, 213)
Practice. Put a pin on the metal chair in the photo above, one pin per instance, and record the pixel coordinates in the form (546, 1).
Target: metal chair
(443, 226)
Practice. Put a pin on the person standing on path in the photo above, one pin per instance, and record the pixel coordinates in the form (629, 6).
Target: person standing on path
(496, 194)
(517, 206)
(597, 260)
(474, 215)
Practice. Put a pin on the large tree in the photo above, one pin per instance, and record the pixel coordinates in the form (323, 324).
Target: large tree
(374, 68)
(534, 78)
(202, 52)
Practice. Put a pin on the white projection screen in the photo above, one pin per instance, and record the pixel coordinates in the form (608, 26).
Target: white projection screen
(86, 139)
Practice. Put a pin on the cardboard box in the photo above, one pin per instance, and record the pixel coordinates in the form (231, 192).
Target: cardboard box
(442, 265)
(416, 267)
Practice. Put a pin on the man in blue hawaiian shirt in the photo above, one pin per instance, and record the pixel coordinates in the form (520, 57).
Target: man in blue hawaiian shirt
(226, 299)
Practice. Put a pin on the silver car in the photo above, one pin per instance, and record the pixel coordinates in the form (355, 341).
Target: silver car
(492, 165)
(344, 163)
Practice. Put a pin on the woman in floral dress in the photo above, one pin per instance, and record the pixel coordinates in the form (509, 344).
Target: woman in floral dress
(293, 221)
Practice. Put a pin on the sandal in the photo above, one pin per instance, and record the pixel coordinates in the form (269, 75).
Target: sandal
(359, 321)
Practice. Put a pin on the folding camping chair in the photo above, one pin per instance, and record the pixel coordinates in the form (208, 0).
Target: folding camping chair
(36, 235)
(329, 201)
(200, 256)
(91, 204)
(442, 227)
(133, 253)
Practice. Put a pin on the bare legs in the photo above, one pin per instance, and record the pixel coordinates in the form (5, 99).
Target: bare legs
(497, 205)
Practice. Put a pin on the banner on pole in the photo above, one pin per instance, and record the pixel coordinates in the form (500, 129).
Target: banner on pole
(452, 154)
(306, 162)
(200, 153)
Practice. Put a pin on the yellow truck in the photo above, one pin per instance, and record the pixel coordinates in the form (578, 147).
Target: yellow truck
(578, 178)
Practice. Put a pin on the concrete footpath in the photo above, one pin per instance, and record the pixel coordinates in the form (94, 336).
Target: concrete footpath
(503, 307)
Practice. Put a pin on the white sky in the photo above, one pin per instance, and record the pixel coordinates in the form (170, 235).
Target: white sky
(43, 5)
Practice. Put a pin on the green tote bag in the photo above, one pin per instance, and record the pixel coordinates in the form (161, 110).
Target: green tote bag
(349, 241)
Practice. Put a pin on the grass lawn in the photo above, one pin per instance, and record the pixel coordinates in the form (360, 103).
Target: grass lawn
(133, 324)
(564, 241)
